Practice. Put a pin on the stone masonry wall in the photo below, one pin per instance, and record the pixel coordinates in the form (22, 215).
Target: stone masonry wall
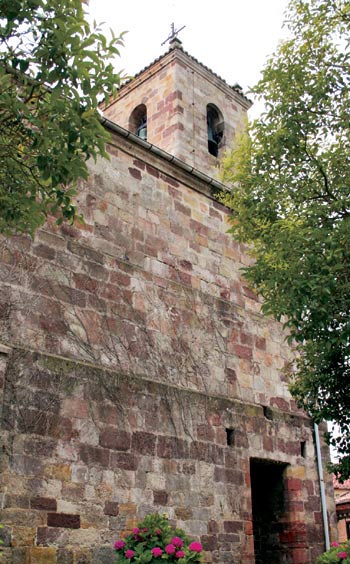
(87, 452)
(133, 349)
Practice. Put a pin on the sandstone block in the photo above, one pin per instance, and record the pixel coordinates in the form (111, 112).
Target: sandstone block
(63, 520)
(38, 555)
(144, 443)
(111, 508)
(113, 439)
(43, 503)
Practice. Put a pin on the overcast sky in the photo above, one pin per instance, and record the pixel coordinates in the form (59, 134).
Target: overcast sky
(231, 37)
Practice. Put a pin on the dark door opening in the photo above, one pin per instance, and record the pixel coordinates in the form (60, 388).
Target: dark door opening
(268, 507)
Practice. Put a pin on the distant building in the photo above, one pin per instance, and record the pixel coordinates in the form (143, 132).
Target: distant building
(342, 502)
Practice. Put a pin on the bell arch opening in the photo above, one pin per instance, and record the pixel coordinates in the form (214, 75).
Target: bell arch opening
(138, 121)
(216, 126)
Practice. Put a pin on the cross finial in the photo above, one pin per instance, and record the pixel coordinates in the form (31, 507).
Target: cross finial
(173, 33)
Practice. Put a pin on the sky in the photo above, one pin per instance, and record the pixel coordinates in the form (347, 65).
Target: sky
(232, 37)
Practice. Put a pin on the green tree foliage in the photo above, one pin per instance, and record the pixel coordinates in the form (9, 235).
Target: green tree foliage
(53, 70)
(290, 200)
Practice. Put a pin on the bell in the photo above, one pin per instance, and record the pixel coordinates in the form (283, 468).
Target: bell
(213, 147)
(142, 130)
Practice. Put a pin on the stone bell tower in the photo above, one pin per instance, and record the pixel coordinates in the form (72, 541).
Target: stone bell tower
(182, 107)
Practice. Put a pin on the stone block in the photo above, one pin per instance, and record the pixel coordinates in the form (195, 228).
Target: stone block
(38, 555)
(135, 173)
(127, 508)
(298, 472)
(207, 452)
(63, 520)
(228, 538)
(300, 556)
(144, 443)
(205, 432)
(43, 503)
(23, 536)
(214, 419)
(23, 517)
(210, 542)
(103, 555)
(64, 556)
(48, 536)
(233, 526)
(172, 447)
(43, 447)
(213, 527)
(113, 439)
(183, 513)
(139, 164)
(61, 472)
(94, 455)
(294, 484)
(228, 476)
(82, 556)
(160, 497)
(111, 508)
(20, 555)
(243, 352)
(187, 468)
(18, 501)
(72, 492)
(124, 460)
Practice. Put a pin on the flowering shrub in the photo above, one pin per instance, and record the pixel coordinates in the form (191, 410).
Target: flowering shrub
(337, 554)
(155, 540)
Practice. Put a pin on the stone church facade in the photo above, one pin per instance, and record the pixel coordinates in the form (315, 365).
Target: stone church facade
(137, 373)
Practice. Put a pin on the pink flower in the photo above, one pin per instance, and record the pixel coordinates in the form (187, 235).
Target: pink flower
(180, 554)
(119, 544)
(177, 541)
(195, 547)
(136, 530)
(156, 551)
(129, 553)
(158, 532)
(335, 543)
(342, 555)
(170, 549)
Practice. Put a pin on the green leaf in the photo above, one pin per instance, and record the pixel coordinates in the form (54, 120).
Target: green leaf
(66, 66)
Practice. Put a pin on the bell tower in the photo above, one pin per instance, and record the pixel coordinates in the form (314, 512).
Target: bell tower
(182, 107)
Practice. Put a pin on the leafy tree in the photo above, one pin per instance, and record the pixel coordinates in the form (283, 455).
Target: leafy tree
(290, 201)
(53, 70)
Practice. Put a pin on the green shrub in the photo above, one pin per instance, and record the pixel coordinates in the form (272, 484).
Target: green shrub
(155, 540)
(338, 553)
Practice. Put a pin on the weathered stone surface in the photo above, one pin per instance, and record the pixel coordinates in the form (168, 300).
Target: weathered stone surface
(51, 536)
(111, 508)
(43, 503)
(113, 439)
(63, 520)
(149, 347)
(64, 556)
(103, 555)
(42, 555)
(160, 497)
